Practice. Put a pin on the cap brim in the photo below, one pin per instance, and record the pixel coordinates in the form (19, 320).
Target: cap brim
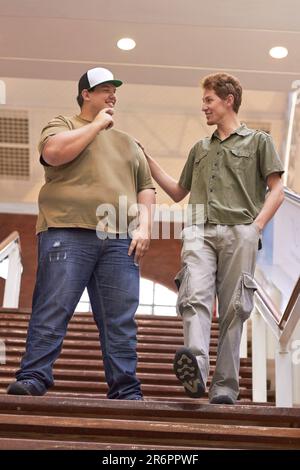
(116, 83)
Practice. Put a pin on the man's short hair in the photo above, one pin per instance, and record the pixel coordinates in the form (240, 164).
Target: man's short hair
(80, 99)
(224, 85)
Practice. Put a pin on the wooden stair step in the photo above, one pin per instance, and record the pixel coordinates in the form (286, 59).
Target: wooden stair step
(17, 337)
(146, 360)
(75, 324)
(46, 444)
(73, 364)
(149, 432)
(98, 390)
(98, 375)
(191, 410)
(87, 316)
(91, 331)
(82, 385)
(89, 323)
(12, 326)
(152, 357)
(94, 346)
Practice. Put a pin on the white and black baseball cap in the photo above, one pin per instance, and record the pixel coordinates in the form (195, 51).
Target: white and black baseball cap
(95, 77)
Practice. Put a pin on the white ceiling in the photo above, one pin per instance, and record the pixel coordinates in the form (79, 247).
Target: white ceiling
(178, 41)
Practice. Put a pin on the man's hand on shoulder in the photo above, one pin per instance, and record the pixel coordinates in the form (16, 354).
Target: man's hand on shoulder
(142, 148)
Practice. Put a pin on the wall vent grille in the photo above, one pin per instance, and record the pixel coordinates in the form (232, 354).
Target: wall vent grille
(14, 145)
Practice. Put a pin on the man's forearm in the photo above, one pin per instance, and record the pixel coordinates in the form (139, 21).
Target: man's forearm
(146, 201)
(272, 203)
(66, 146)
(165, 181)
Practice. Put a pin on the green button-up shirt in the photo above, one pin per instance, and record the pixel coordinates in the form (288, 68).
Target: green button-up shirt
(228, 177)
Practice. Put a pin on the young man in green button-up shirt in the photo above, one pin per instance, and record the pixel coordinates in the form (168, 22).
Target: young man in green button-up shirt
(227, 175)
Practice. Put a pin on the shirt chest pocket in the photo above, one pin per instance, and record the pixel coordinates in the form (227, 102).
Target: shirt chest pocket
(200, 161)
(239, 159)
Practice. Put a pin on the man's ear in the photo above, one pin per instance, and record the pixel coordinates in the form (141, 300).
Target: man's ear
(230, 100)
(85, 95)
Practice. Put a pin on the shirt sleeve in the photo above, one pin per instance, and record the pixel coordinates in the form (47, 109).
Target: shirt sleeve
(55, 126)
(269, 160)
(144, 180)
(186, 176)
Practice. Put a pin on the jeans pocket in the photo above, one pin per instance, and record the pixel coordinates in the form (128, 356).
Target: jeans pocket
(182, 281)
(56, 256)
(244, 299)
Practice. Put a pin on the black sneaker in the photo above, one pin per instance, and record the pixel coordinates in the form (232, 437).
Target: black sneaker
(222, 400)
(187, 371)
(25, 387)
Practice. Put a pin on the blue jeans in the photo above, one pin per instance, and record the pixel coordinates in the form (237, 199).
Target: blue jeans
(69, 260)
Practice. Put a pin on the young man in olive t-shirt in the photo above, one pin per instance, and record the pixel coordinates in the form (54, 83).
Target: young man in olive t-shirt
(89, 168)
(226, 175)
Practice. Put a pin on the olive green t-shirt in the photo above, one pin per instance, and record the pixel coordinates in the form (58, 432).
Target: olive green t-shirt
(228, 178)
(112, 165)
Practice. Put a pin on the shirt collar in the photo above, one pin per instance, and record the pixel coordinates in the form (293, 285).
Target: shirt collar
(242, 130)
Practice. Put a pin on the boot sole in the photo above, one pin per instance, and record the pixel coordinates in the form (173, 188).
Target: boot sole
(187, 371)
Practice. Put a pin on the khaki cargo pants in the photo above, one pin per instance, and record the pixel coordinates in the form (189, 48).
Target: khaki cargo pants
(219, 260)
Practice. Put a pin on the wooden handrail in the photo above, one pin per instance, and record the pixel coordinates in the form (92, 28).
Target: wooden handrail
(292, 195)
(280, 319)
(292, 301)
(269, 303)
(14, 236)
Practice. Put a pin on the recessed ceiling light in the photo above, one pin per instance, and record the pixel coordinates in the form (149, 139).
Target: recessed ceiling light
(278, 52)
(126, 44)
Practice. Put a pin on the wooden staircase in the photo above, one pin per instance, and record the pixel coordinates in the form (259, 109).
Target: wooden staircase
(76, 415)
